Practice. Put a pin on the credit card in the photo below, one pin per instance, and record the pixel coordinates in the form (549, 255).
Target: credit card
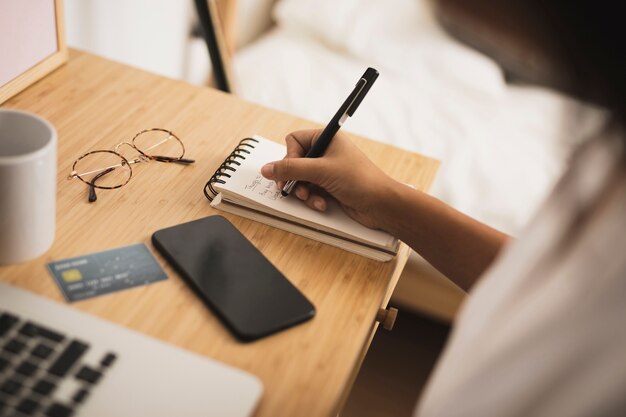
(105, 272)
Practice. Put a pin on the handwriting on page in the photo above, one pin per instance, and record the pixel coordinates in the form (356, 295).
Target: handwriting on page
(264, 188)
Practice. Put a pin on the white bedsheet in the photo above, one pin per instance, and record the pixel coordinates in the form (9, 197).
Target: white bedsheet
(502, 147)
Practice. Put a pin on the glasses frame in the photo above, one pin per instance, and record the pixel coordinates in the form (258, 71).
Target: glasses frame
(142, 157)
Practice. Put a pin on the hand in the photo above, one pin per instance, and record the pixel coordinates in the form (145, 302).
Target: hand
(459, 246)
(344, 172)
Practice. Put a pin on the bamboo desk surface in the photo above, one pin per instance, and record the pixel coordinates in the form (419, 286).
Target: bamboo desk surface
(94, 104)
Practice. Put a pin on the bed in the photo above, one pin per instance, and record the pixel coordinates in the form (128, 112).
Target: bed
(502, 146)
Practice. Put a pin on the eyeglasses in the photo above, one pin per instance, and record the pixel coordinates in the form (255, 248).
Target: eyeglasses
(109, 169)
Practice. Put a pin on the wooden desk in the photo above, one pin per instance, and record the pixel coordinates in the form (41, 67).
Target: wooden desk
(94, 104)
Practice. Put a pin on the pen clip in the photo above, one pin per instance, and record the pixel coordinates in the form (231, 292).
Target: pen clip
(356, 100)
(367, 80)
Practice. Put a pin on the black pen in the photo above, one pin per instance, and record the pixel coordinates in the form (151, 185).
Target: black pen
(346, 110)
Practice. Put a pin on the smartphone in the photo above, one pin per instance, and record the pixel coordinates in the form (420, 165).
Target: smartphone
(251, 297)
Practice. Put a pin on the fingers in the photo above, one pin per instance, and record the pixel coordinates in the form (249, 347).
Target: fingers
(316, 202)
(312, 198)
(299, 142)
(302, 192)
(295, 167)
(300, 169)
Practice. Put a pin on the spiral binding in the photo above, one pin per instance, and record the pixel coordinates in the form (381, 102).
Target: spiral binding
(238, 153)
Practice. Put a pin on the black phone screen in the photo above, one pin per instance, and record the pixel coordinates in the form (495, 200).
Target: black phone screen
(232, 277)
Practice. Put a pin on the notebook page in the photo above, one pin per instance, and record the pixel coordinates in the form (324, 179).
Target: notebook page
(248, 182)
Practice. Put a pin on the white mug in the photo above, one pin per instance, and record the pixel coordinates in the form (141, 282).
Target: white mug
(28, 166)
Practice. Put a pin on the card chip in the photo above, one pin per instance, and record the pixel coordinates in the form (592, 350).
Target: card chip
(71, 275)
(99, 273)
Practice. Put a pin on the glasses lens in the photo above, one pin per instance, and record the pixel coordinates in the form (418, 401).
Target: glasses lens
(103, 169)
(157, 142)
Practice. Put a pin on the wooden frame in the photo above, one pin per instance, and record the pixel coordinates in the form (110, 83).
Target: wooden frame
(43, 67)
(217, 19)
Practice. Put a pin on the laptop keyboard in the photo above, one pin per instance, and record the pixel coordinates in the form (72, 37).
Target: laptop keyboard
(44, 372)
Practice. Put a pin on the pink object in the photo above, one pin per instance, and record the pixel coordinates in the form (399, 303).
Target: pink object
(28, 34)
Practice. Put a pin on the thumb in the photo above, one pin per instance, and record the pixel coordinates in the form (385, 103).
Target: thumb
(300, 169)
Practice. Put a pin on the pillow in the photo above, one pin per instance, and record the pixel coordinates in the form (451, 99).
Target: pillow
(351, 25)
(397, 37)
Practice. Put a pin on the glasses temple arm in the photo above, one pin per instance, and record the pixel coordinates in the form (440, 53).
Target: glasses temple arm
(170, 159)
(92, 189)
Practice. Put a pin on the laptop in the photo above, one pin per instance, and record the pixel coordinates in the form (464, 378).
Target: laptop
(58, 362)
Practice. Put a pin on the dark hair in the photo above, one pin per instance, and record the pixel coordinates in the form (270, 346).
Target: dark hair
(590, 37)
(576, 46)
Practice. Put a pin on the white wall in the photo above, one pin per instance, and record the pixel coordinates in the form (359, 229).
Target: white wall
(154, 34)
(149, 34)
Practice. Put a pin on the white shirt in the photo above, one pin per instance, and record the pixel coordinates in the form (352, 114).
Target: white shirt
(543, 333)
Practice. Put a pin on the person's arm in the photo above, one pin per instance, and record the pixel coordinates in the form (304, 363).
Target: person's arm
(458, 246)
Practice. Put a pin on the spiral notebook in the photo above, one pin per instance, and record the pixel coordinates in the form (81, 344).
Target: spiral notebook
(238, 187)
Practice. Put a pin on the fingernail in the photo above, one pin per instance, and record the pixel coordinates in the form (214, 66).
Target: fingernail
(267, 170)
(319, 204)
